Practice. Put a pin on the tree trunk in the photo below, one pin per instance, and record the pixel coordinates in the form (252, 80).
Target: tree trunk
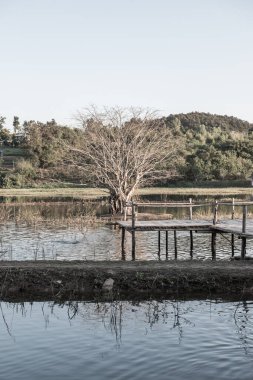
(116, 204)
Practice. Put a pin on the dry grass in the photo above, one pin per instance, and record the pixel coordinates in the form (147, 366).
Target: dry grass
(196, 191)
(36, 217)
(97, 192)
(57, 192)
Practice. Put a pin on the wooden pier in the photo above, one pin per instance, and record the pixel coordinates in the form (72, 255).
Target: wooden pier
(241, 229)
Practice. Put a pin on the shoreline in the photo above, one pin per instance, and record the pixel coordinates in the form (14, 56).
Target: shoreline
(79, 280)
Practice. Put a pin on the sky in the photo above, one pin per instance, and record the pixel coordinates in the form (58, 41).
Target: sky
(59, 56)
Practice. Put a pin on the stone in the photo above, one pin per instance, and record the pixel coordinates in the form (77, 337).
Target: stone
(108, 284)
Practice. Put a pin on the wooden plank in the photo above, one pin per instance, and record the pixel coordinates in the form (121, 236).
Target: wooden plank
(230, 226)
(166, 224)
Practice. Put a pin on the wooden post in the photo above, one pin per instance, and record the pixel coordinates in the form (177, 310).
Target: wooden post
(233, 208)
(191, 244)
(133, 231)
(213, 245)
(167, 244)
(123, 252)
(159, 244)
(125, 211)
(244, 240)
(175, 243)
(214, 235)
(190, 208)
(232, 235)
(233, 244)
(215, 214)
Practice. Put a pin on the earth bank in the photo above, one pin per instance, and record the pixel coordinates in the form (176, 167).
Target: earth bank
(89, 280)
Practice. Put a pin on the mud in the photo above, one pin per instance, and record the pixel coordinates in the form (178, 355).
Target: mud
(52, 280)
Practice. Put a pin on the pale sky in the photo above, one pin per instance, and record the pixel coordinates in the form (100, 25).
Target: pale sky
(58, 56)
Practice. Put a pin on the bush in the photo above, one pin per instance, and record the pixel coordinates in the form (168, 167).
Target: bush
(26, 169)
(23, 176)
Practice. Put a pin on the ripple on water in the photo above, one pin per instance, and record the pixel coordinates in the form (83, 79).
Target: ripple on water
(102, 243)
(122, 340)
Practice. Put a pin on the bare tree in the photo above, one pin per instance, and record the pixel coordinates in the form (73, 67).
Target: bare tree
(124, 149)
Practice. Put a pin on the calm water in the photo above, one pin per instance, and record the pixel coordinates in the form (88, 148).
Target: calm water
(28, 238)
(124, 340)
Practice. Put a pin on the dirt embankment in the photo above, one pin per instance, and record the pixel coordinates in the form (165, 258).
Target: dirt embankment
(45, 280)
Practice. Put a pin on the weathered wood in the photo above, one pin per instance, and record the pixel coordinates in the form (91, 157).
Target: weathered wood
(233, 227)
(166, 244)
(244, 239)
(190, 208)
(133, 231)
(232, 235)
(244, 218)
(155, 225)
(233, 209)
(233, 244)
(159, 244)
(123, 252)
(175, 244)
(214, 245)
(215, 216)
(191, 244)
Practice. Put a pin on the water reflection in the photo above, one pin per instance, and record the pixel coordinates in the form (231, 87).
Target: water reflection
(63, 230)
(98, 340)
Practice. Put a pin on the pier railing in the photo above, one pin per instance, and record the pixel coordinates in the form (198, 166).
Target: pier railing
(191, 205)
(133, 206)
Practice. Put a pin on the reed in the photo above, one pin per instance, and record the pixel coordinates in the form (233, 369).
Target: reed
(36, 217)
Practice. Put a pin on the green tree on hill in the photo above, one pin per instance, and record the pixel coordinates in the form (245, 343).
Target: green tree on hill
(16, 124)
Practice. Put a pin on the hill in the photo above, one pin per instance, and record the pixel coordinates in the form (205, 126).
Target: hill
(213, 148)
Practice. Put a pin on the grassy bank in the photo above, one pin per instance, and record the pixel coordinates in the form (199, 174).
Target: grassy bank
(96, 192)
(55, 192)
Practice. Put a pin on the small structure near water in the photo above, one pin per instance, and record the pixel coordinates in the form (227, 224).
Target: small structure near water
(241, 229)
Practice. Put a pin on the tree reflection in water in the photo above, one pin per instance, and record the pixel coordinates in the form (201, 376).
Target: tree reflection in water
(114, 315)
(244, 323)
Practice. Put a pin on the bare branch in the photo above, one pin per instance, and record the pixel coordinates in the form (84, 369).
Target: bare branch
(124, 148)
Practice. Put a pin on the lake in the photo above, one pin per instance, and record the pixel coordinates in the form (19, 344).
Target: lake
(71, 229)
(127, 340)
(156, 339)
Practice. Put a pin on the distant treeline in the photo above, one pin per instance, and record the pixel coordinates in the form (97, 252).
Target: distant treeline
(212, 148)
(216, 147)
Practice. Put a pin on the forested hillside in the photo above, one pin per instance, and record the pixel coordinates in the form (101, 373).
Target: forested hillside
(216, 147)
(211, 148)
